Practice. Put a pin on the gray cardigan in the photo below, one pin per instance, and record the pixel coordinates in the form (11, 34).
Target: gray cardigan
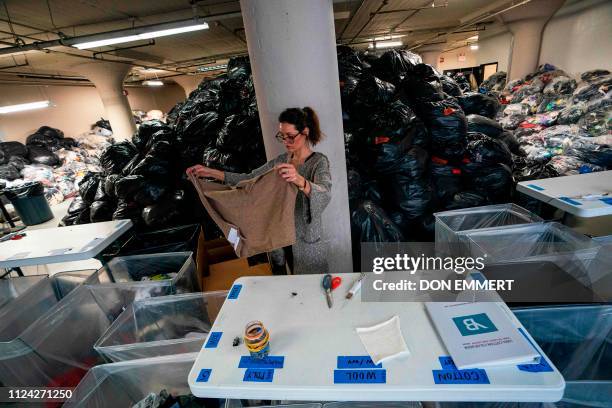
(309, 252)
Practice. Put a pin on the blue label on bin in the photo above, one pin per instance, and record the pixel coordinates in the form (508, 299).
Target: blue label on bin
(570, 201)
(266, 362)
(213, 339)
(535, 187)
(469, 376)
(360, 376)
(542, 367)
(259, 375)
(357, 362)
(204, 375)
(234, 292)
(447, 363)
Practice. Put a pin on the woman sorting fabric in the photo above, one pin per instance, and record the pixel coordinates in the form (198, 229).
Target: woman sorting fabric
(298, 131)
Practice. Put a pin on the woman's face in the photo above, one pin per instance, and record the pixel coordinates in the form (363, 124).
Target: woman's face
(293, 140)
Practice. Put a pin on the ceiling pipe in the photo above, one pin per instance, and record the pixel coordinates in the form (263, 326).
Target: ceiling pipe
(42, 45)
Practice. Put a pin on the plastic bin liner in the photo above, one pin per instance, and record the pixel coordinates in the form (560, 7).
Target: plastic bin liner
(161, 326)
(176, 239)
(126, 383)
(234, 403)
(577, 254)
(372, 405)
(12, 288)
(57, 349)
(453, 226)
(177, 267)
(577, 341)
(18, 315)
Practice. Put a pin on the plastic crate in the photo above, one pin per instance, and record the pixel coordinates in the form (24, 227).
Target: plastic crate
(126, 383)
(178, 267)
(161, 326)
(452, 227)
(57, 349)
(12, 288)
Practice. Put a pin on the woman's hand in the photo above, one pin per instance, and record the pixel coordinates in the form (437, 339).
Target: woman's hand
(202, 171)
(290, 174)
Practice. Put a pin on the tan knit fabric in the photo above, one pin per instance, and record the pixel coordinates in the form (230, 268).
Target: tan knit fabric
(255, 215)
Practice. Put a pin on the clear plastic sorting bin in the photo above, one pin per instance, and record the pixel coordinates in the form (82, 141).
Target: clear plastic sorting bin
(12, 288)
(246, 403)
(578, 340)
(573, 252)
(372, 405)
(57, 349)
(126, 383)
(452, 226)
(19, 314)
(177, 267)
(161, 326)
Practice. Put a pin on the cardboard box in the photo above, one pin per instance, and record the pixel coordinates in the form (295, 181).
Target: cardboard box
(222, 275)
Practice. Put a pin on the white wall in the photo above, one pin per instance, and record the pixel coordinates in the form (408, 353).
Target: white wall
(578, 38)
(451, 59)
(494, 48)
(75, 108)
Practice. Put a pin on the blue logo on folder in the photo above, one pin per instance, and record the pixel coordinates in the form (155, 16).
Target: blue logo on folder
(474, 324)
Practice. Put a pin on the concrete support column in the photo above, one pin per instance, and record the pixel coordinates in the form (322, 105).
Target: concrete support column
(189, 83)
(431, 54)
(292, 47)
(526, 23)
(108, 79)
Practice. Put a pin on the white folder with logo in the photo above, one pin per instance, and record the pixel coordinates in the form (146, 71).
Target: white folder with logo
(480, 335)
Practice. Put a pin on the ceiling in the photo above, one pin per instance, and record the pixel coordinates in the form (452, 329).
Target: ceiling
(419, 22)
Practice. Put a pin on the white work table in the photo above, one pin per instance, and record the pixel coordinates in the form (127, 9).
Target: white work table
(569, 193)
(310, 337)
(65, 244)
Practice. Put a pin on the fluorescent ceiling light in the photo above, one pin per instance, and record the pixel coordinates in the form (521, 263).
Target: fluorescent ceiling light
(387, 37)
(212, 68)
(386, 44)
(24, 107)
(473, 38)
(153, 82)
(141, 36)
(474, 47)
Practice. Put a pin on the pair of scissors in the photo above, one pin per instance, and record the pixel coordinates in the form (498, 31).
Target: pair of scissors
(330, 284)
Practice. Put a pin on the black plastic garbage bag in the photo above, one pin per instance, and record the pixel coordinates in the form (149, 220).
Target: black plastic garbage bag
(412, 196)
(466, 199)
(348, 84)
(150, 193)
(447, 127)
(496, 183)
(109, 185)
(414, 91)
(3, 159)
(393, 117)
(126, 187)
(101, 211)
(393, 65)
(127, 211)
(355, 187)
(77, 205)
(104, 124)
(50, 132)
(146, 131)
(88, 186)
(37, 139)
(9, 172)
(162, 150)
(153, 168)
(479, 104)
(68, 143)
(393, 159)
(446, 181)
(495, 82)
(218, 159)
(115, 157)
(349, 63)
(101, 191)
(483, 152)
(14, 149)
(426, 72)
(164, 212)
(371, 224)
(450, 86)
(18, 162)
(510, 141)
(594, 74)
(239, 134)
(372, 91)
(83, 217)
(482, 124)
(202, 128)
(41, 155)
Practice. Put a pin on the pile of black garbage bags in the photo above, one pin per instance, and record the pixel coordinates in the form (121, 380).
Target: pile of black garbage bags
(416, 144)
(40, 148)
(144, 179)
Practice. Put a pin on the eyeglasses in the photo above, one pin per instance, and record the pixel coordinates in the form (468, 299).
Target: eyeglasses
(287, 138)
